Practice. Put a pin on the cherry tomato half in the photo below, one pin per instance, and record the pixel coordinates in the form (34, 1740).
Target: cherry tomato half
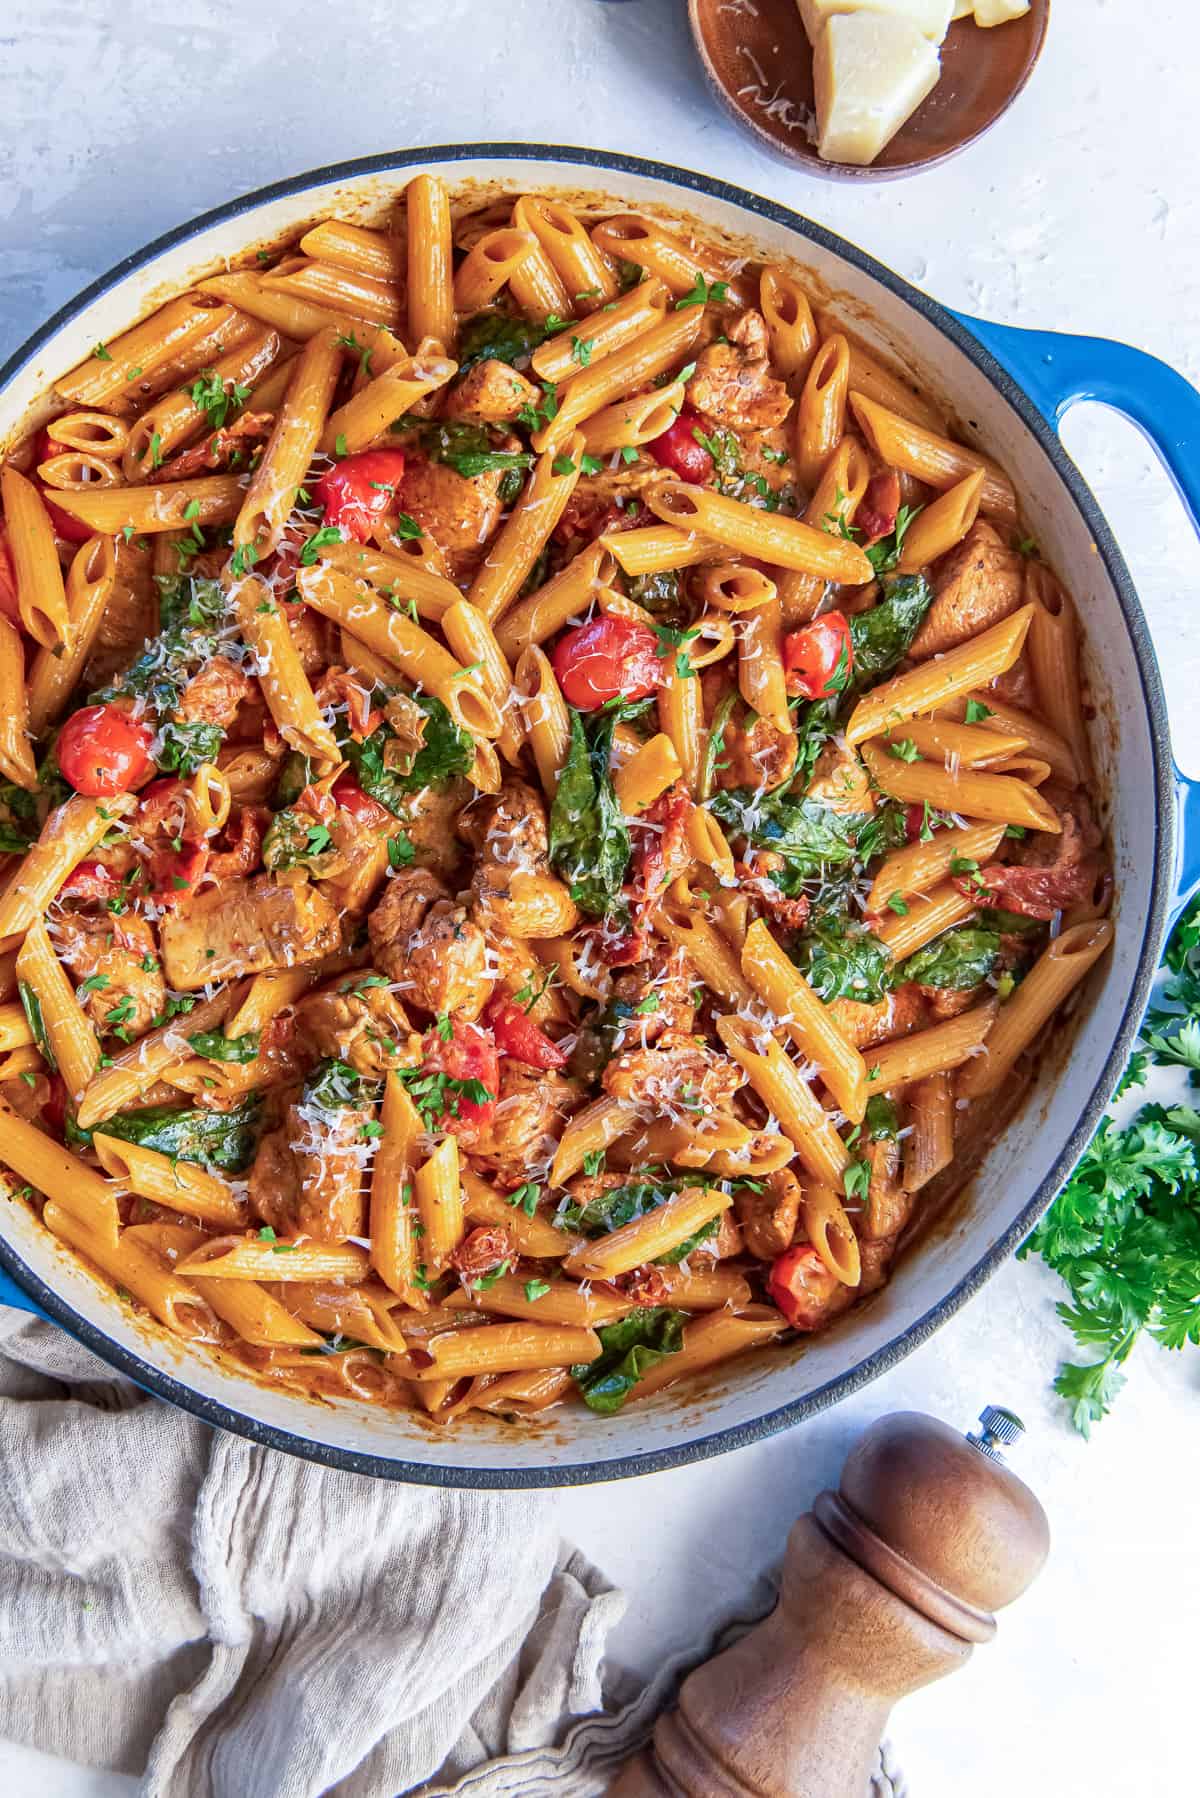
(607, 658)
(801, 1285)
(8, 581)
(359, 490)
(518, 1036)
(73, 529)
(361, 807)
(469, 1054)
(679, 449)
(102, 751)
(819, 658)
(175, 873)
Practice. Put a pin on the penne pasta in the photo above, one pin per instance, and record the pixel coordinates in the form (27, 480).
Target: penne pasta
(935, 460)
(511, 557)
(788, 1098)
(41, 595)
(806, 1019)
(998, 796)
(602, 334)
(933, 684)
(1019, 1025)
(932, 1051)
(786, 542)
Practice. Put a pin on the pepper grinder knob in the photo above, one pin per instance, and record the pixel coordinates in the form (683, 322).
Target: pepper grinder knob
(998, 1429)
(888, 1583)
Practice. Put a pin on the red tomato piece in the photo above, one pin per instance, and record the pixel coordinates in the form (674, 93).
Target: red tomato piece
(175, 873)
(351, 798)
(54, 1111)
(73, 529)
(103, 751)
(679, 449)
(90, 880)
(468, 1054)
(8, 581)
(875, 515)
(518, 1036)
(819, 658)
(359, 490)
(607, 658)
(801, 1285)
(914, 819)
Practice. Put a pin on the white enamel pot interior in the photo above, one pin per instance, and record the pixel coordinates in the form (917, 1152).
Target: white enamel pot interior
(1028, 1163)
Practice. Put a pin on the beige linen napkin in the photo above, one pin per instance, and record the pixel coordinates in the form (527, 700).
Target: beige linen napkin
(234, 1623)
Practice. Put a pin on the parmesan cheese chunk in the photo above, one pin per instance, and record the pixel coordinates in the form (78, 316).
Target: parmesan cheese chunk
(962, 10)
(871, 72)
(999, 12)
(930, 17)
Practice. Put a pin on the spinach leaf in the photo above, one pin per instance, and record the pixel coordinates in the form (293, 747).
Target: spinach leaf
(883, 636)
(466, 448)
(1009, 923)
(683, 1249)
(333, 1085)
(631, 1347)
(621, 1204)
(589, 841)
(660, 594)
(841, 960)
(214, 1045)
(498, 337)
(955, 961)
(222, 1139)
(446, 751)
(884, 555)
(811, 836)
(17, 809)
(32, 1007)
(192, 613)
(882, 1120)
(814, 724)
(183, 744)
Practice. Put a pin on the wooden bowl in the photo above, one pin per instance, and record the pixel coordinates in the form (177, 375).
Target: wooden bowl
(759, 63)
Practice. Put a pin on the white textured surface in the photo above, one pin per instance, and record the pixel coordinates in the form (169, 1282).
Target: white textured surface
(1079, 211)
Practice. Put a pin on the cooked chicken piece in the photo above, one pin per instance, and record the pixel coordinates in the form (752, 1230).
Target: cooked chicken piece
(363, 865)
(660, 990)
(755, 879)
(490, 393)
(360, 1023)
(733, 382)
(768, 1218)
(428, 823)
(214, 695)
(947, 1002)
(869, 1025)
(247, 927)
(888, 1206)
(459, 514)
(877, 1258)
(681, 1077)
(526, 1123)
(586, 1187)
(124, 627)
(974, 586)
(752, 752)
(840, 781)
(1015, 686)
(514, 891)
(307, 1178)
(431, 947)
(119, 955)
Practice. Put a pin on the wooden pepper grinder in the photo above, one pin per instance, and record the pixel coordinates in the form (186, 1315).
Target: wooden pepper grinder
(888, 1583)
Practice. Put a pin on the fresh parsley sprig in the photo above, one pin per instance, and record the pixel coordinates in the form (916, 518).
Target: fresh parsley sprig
(1124, 1234)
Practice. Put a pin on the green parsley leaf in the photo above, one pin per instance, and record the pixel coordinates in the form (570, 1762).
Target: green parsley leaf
(976, 712)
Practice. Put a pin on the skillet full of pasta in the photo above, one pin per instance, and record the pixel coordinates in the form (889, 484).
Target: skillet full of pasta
(547, 808)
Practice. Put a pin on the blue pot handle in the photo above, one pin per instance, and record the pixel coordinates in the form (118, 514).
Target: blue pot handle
(1056, 371)
(11, 1294)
